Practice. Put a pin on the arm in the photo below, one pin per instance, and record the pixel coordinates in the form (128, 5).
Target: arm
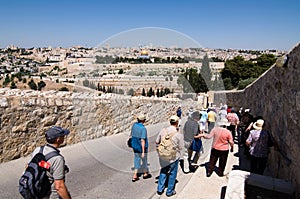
(231, 146)
(143, 142)
(230, 141)
(249, 140)
(61, 189)
(249, 127)
(208, 136)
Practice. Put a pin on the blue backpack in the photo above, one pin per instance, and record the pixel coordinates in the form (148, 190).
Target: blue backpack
(34, 183)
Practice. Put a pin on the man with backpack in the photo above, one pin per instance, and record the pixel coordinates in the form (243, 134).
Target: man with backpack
(170, 143)
(54, 162)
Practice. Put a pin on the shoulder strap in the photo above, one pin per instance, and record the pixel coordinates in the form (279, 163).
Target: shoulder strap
(169, 134)
(51, 155)
(41, 149)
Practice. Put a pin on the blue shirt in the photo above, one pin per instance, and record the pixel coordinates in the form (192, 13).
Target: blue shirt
(138, 132)
(204, 116)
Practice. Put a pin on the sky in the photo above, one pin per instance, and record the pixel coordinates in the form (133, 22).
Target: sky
(224, 24)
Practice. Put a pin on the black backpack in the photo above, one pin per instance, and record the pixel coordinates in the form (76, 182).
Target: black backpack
(34, 183)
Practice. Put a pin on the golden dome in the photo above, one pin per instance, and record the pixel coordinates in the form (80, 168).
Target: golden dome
(144, 52)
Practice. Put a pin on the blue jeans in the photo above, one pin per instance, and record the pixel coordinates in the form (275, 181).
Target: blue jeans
(170, 172)
(138, 160)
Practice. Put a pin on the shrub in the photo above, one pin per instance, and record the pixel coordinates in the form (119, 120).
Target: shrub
(64, 89)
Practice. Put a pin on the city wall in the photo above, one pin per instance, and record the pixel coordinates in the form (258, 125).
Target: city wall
(26, 115)
(276, 97)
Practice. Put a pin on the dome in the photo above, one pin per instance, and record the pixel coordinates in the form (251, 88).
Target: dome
(144, 52)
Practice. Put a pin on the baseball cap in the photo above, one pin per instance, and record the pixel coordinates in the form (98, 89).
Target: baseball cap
(174, 118)
(56, 131)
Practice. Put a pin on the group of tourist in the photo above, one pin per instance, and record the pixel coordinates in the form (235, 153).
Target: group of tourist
(221, 125)
(224, 126)
(193, 130)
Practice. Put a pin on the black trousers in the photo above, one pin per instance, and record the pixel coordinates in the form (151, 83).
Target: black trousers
(258, 164)
(216, 155)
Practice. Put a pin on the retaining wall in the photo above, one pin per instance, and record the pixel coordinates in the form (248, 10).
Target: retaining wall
(276, 97)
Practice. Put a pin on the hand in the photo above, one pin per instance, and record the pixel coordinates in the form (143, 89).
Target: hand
(67, 169)
(142, 155)
(231, 150)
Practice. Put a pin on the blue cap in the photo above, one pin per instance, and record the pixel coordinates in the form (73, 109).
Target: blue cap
(55, 132)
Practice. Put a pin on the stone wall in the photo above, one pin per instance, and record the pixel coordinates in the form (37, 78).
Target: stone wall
(26, 115)
(276, 97)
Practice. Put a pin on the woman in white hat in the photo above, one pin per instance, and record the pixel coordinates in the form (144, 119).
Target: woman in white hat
(258, 141)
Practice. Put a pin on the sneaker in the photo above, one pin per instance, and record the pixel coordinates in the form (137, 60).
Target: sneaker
(172, 194)
(208, 174)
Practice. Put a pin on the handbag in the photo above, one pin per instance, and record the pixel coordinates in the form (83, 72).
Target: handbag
(196, 145)
(129, 142)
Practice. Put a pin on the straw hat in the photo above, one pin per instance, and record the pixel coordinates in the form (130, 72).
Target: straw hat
(258, 124)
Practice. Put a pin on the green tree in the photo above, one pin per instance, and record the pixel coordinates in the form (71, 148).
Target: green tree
(167, 91)
(150, 92)
(196, 81)
(205, 71)
(41, 85)
(245, 82)
(64, 89)
(86, 83)
(130, 92)
(13, 85)
(6, 80)
(266, 60)
(217, 84)
(32, 85)
(186, 86)
(121, 91)
(143, 92)
(228, 84)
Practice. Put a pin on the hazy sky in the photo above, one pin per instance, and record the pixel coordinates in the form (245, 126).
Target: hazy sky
(236, 24)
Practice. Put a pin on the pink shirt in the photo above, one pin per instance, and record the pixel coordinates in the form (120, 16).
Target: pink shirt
(222, 138)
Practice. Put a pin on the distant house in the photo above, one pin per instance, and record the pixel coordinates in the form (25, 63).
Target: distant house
(216, 68)
(44, 68)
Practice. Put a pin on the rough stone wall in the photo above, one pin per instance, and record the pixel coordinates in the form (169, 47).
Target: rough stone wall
(276, 97)
(24, 117)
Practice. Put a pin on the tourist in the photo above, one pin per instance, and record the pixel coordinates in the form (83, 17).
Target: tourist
(222, 114)
(140, 148)
(212, 117)
(55, 137)
(203, 120)
(169, 168)
(191, 130)
(179, 114)
(246, 120)
(233, 119)
(222, 139)
(259, 142)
